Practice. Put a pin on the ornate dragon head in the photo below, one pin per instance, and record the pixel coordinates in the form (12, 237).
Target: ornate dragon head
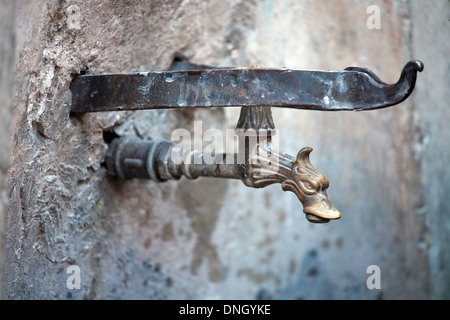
(310, 187)
(296, 175)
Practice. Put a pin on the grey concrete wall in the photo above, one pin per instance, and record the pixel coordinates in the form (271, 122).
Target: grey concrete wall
(6, 93)
(431, 124)
(215, 238)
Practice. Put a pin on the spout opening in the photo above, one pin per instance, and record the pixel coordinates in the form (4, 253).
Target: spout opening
(315, 219)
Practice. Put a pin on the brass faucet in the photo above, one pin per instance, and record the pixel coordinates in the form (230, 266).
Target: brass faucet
(130, 157)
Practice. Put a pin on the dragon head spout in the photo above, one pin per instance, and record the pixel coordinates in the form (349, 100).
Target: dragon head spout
(295, 174)
(310, 187)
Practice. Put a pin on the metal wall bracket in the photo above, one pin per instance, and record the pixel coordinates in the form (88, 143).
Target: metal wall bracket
(255, 90)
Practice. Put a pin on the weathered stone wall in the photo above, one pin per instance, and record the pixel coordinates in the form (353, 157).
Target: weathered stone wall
(6, 93)
(216, 238)
(428, 39)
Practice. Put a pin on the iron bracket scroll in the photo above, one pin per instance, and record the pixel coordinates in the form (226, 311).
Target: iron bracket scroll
(352, 89)
(256, 90)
